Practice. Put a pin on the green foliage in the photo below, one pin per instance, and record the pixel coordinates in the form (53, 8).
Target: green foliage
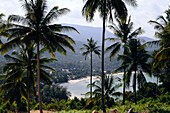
(36, 106)
(109, 91)
(162, 25)
(148, 90)
(55, 92)
(165, 79)
(59, 77)
(75, 111)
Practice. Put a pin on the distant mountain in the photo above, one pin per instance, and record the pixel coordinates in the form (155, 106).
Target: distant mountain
(75, 62)
(87, 32)
(95, 32)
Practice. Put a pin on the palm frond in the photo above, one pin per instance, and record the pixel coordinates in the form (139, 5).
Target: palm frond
(54, 13)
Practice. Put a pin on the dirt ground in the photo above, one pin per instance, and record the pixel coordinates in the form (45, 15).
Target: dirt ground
(37, 111)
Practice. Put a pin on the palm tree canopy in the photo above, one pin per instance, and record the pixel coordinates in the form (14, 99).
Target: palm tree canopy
(162, 25)
(109, 87)
(20, 65)
(136, 60)
(90, 47)
(123, 32)
(37, 25)
(91, 6)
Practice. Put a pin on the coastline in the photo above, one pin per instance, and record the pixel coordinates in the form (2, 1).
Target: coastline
(93, 77)
(120, 74)
(83, 79)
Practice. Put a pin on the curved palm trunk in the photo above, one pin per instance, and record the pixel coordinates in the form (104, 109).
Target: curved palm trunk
(103, 40)
(38, 73)
(91, 77)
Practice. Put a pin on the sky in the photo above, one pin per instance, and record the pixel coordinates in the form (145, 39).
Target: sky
(146, 10)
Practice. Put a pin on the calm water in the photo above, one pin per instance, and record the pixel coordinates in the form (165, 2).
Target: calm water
(79, 87)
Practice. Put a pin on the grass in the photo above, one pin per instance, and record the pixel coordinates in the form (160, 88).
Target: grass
(152, 107)
(76, 111)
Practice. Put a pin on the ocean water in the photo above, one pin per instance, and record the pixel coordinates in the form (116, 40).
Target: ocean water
(78, 87)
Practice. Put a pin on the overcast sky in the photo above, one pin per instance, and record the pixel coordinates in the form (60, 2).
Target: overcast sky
(146, 10)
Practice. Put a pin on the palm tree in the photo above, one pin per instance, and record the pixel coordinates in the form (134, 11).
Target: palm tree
(91, 48)
(136, 58)
(123, 32)
(162, 25)
(109, 88)
(105, 8)
(13, 91)
(22, 68)
(37, 27)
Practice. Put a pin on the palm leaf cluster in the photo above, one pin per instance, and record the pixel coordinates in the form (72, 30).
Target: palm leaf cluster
(123, 32)
(110, 89)
(136, 58)
(162, 25)
(106, 8)
(20, 78)
(37, 27)
(90, 47)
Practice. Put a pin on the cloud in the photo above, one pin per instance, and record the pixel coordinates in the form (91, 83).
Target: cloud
(146, 10)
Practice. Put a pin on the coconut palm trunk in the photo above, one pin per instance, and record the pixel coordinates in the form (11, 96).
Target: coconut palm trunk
(28, 99)
(124, 84)
(135, 83)
(38, 73)
(102, 65)
(124, 78)
(91, 75)
(28, 91)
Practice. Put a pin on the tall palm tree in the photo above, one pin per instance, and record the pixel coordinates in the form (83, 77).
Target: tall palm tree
(136, 58)
(105, 8)
(91, 48)
(22, 68)
(162, 25)
(36, 26)
(123, 32)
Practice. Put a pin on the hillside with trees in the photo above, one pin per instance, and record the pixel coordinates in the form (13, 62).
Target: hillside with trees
(37, 54)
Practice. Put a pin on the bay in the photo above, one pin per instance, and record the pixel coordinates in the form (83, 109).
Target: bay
(78, 87)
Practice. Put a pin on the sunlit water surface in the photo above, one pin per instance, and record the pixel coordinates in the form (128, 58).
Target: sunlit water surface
(78, 87)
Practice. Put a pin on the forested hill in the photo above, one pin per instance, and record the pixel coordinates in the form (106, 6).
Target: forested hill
(75, 63)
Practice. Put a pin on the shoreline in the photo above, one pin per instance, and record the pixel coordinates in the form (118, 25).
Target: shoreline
(120, 74)
(82, 79)
(93, 77)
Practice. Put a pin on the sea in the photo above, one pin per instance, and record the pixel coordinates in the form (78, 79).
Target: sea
(79, 88)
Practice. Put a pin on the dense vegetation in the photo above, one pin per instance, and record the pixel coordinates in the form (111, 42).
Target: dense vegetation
(31, 74)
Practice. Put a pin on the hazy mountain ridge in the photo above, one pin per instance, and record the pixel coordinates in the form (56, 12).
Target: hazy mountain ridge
(95, 32)
(75, 61)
